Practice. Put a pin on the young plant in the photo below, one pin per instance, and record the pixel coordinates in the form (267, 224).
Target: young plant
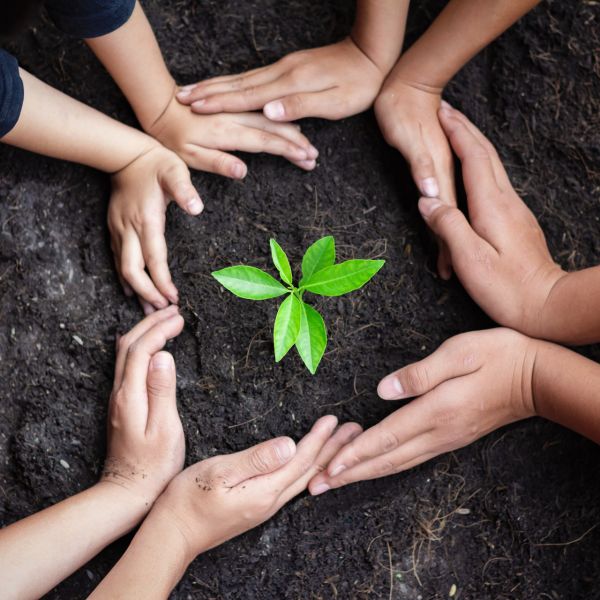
(297, 323)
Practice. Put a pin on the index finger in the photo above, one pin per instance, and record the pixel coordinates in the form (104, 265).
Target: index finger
(154, 250)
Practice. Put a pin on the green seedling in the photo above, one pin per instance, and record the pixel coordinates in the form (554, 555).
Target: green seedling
(297, 323)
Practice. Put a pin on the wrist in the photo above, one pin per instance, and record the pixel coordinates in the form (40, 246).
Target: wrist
(149, 114)
(383, 61)
(547, 365)
(400, 78)
(132, 501)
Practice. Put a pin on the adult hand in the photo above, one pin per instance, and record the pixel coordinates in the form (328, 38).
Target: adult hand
(408, 118)
(145, 438)
(499, 254)
(471, 385)
(331, 82)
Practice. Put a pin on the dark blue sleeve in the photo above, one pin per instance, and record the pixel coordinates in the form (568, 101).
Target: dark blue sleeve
(89, 18)
(11, 92)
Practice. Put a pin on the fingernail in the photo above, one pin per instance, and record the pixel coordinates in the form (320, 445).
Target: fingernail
(321, 488)
(198, 103)
(446, 105)
(308, 165)
(429, 187)
(162, 361)
(183, 93)
(312, 152)
(390, 388)
(337, 470)
(274, 110)
(238, 171)
(285, 449)
(185, 88)
(428, 205)
(173, 298)
(195, 206)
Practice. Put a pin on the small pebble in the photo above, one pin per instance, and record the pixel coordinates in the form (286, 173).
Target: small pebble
(64, 463)
(452, 591)
(89, 574)
(78, 340)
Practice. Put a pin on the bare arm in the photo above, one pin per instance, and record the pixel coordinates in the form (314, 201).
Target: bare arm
(460, 31)
(133, 58)
(145, 450)
(38, 552)
(56, 125)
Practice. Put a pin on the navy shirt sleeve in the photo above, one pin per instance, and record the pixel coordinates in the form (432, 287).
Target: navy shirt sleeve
(11, 92)
(89, 18)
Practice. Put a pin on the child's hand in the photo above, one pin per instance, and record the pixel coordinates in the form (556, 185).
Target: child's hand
(500, 256)
(331, 82)
(222, 497)
(136, 219)
(471, 385)
(200, 139)
(407, 117)
(145, 437)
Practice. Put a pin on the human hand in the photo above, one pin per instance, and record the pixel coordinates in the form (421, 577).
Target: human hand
(201, 139)
(224, 496)
(500, 256)
(140, 195)
(331, 82)
(408, 119)
(145, 438)
(472, 384)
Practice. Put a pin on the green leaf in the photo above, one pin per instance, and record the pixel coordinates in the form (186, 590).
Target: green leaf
(342, 278)
(250, 283)
(287, 326)
(319, 255)
(312, 338)
(281, 262)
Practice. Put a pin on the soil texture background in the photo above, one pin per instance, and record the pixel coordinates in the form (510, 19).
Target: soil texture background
(515, 515)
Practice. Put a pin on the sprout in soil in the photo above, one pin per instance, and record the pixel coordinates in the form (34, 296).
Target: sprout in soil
(297, 323)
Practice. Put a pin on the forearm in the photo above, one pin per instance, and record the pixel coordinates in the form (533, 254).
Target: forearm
(566, 389)
(133, 58)
(152, 565)
(38, 552)
(460, 31)
(570, 314)
(56, 125)
(379, 30)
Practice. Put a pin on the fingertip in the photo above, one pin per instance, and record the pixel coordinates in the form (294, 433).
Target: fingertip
(318, 488)
(390, 388)
(285, 449)
(239, 170)
(162, 361)
(307, 165)
(147, 307)
(194, 206)
(275, 110)
(429, 187)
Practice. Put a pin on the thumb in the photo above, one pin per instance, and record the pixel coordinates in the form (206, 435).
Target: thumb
(449, 224)
(161, 385)
(454, 358)
(294, 107)
(177, 183)
(263, 458)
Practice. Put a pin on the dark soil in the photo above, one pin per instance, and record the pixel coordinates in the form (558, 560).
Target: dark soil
(513, 516)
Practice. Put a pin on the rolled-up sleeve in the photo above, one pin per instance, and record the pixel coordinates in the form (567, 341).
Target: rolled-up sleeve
(89, 18)
(11, 92)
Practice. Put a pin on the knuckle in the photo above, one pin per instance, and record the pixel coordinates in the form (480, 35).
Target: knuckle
(417, 378)
(450, 218)
(388, 440)
(386, 467)
(260, 460)
(220, 164)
